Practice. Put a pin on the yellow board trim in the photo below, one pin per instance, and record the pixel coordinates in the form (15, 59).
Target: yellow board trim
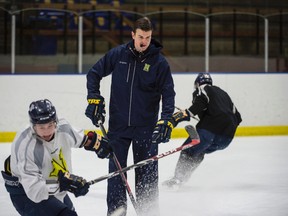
(244, 131)
(262, 131)
(181, 133)
(7, 136)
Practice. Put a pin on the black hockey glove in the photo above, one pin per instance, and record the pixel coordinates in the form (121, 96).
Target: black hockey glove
(72, 183)
(180, 116)
(162, 131)
(98, 144)
(96, 109)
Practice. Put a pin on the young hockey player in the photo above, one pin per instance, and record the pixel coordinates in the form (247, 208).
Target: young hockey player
(141, 78)
(38, 173)
(219, 119)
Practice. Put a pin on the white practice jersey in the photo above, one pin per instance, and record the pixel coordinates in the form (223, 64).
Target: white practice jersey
(31, 159)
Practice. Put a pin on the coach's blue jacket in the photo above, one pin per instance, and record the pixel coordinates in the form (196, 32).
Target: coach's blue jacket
(139, 80)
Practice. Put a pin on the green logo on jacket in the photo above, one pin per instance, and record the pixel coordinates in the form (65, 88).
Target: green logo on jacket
(146, 67)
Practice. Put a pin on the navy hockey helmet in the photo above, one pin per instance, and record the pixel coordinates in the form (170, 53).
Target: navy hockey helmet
(203, 78)
(42, 111)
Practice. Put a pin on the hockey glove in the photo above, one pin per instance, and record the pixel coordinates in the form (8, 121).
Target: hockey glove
(180, 116)
(98, 144)
(96, 109)
(162, 131)
(72, 183)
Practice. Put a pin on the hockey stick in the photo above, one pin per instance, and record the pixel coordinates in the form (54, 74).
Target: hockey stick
(195, 140)
(123, 177)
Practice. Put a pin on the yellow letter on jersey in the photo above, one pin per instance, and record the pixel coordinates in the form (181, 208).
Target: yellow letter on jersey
(58, 165)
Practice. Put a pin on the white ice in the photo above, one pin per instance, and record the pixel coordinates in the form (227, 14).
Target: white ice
(249, 178)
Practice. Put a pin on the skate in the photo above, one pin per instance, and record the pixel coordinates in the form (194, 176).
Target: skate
(172, 184)
(185, 166)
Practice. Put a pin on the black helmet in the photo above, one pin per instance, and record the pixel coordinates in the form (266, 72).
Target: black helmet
(41, 112)
(203, 78)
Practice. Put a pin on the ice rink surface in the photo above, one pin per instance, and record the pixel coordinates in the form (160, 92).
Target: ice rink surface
(249, 178)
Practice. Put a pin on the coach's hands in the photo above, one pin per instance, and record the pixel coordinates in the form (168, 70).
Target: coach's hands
(162, 131)
(96, 109)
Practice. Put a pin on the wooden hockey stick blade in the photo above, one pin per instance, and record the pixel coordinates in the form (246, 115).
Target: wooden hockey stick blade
(195, 140)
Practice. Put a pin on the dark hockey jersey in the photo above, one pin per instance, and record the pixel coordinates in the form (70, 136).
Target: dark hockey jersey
(215, 109)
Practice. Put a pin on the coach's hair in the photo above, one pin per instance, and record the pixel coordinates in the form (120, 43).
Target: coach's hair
(143, 23)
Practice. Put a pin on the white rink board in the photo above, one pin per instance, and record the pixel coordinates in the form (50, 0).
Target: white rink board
(261, 98)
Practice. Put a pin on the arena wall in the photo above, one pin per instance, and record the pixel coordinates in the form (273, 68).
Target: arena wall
(260, 97)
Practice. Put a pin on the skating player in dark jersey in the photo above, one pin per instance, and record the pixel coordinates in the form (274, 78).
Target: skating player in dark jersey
(218, 120)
